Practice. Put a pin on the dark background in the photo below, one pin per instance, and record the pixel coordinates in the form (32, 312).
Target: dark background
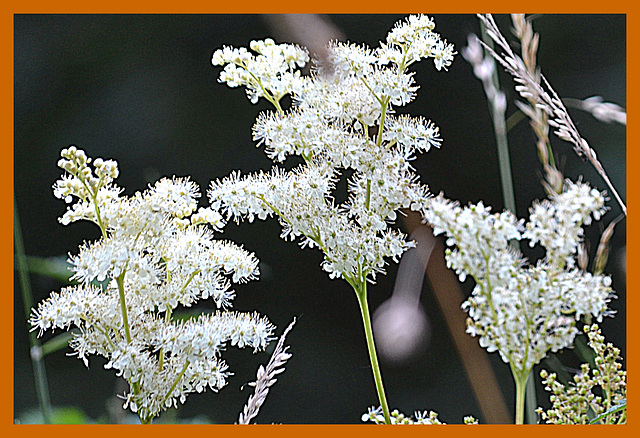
(141, 89)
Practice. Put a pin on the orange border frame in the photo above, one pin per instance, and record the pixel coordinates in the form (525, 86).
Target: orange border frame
(289, 6)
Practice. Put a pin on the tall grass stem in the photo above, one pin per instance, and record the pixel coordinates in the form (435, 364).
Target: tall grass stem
(42, 385)
(508, 193)
(500, 130)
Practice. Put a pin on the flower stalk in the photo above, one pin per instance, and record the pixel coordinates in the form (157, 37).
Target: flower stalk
(361, 294)
(521, 388)
(343, 119)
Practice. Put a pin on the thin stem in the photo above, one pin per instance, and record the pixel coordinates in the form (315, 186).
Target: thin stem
(367, 201)
(274, 209)
(506, 179)
(500, 130)
(42, 386)
(94, 198)
(531, 401)
(383, 118)
(127, 333)
(360, 287)
(167, 320)
(520, 378)
(508, 195)
(275, 102)
(123, 307)
(175, 383)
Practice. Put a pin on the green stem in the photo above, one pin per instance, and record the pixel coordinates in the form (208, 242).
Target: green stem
(267, 95)
(506, 179)
(42, 386)
(508, 195)
(167, 320)
(383, 117)
(94, 198)
(520, 378)
(127, 333)
(360, 287)
(367, 201)
(500, 130)
(173, 386)
(123, 307)
(274, 209)
(531, 401)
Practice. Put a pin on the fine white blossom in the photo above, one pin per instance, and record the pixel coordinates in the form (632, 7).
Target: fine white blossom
(271, 73)
(524, 311)
(340, 123)
(374, 415)
(156, 254)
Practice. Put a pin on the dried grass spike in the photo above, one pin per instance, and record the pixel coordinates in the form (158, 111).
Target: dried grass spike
(266, 378)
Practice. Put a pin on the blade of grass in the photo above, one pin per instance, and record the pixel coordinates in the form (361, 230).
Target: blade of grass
(58, 343)
(53, 267)
(620, 406)
(508, 194)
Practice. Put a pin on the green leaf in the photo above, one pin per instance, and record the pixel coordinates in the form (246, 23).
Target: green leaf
(58, 343)
(54, 267)
(553, 364)
(60, 415)
(583, 350)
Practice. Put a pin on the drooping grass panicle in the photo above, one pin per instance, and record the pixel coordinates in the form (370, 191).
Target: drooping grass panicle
(546, 99)
(539, 119)
(606, 112)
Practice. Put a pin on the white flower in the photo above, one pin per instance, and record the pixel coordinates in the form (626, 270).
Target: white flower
(271, 73)
(329, 126)
(416, 37)
(349, 59)
(157, 254)
(396, 417)
(522, 311)
(557, 224)
(415, 133)
(209, 216)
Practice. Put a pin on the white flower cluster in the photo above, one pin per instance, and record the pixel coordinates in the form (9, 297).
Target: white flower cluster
(524, 311)
(341, 120)
(271, 73)
(155, 259)
(557, 224)
(374, 415)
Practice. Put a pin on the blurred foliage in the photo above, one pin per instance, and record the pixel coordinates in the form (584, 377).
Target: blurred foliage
(60, 415)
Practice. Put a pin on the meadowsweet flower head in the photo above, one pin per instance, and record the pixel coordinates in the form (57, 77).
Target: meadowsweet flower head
(524, 311)
(330, 126)
(374, 415)
(156, 254)
(415, 40)
(556, 223)
(271, 73)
